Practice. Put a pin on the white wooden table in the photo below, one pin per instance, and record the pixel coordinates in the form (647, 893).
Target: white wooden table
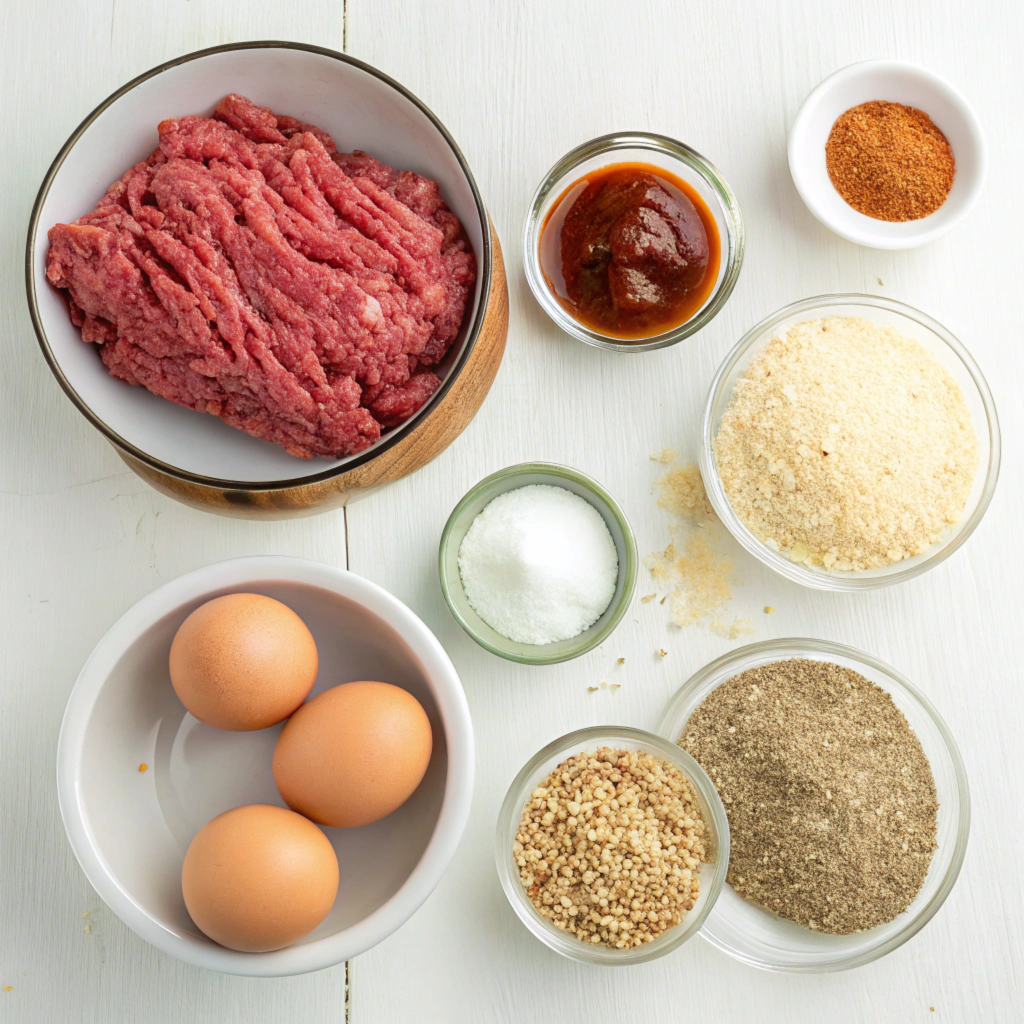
(518, 84)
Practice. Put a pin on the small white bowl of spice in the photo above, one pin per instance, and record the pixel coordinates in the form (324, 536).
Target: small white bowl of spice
(612, 846)
(538, 563)
(887, 154)
(848, 815)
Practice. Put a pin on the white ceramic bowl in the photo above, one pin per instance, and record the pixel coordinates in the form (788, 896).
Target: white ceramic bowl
(362, 109)
(896, 82)
(130, 829)
(759, 938)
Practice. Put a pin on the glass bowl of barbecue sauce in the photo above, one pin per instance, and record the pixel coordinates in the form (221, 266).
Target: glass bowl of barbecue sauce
(633, 242)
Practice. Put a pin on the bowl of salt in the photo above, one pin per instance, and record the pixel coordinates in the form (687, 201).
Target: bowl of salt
(538, 563)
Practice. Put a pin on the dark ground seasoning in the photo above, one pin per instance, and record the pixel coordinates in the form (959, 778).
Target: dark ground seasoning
(889, 161)
(830, 797)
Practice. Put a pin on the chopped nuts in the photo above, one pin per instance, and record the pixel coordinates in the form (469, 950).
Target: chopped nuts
(610, 845)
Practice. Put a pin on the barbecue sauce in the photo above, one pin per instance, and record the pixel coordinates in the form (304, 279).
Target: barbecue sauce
(631, 251)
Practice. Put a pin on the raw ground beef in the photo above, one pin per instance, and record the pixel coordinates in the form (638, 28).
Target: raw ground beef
(249, 270)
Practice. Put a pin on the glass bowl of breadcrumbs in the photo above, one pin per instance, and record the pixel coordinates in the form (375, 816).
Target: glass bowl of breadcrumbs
(751, 733)
(612, 846)
(850, 442)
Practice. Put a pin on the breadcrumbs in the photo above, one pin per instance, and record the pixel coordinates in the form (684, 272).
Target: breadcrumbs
(847, 445)
(694, 572)
(610, 845)
(681, 492)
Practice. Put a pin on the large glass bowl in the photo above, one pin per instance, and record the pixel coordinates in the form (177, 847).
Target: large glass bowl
(944, 347)
(763, 940)
(675, 157)
(712, 873)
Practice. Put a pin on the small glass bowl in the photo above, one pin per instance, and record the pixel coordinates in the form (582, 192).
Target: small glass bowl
(761, 939)
(680, 160)
(944, 347)
(473, 504)
(712, 873)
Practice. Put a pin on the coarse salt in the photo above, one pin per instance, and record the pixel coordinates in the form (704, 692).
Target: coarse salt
(538, 564)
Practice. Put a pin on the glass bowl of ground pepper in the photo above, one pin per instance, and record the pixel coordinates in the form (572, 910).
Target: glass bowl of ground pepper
(847, 800)
(634, 241)
(612, 846)
(887, 154)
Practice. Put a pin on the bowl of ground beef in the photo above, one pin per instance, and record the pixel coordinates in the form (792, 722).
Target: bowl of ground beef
(265, 273)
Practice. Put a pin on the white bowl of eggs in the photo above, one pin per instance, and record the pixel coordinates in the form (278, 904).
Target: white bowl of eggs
(265, 766)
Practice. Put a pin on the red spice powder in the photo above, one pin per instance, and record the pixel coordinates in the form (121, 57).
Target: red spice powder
(889, 161)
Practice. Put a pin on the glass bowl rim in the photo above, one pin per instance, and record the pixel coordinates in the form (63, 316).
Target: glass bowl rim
(815, 578)
(627, 573)
(731, 217)
(810, 645)
(511, 813)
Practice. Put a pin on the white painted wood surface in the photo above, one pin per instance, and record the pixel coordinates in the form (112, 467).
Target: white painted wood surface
(519, 84)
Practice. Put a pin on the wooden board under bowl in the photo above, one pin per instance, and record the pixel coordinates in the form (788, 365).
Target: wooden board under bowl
(434, 432)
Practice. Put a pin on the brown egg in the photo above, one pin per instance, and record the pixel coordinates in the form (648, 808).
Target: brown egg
(353, 753)
(243, 662)
(259, 877)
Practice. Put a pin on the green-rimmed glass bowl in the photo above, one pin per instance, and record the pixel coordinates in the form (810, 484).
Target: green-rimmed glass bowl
(473, 504)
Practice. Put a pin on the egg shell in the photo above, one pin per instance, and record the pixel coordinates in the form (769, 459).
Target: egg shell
(353, 754)
(259, 877)
(243, 662)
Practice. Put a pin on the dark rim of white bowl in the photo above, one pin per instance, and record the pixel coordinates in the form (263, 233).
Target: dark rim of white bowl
(485, 265)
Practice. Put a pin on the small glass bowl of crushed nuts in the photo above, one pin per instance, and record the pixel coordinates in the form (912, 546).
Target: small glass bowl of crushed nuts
(612, 846)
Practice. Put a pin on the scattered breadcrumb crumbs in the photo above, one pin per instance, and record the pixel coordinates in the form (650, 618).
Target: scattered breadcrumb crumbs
(665, 456)
(622, 661)
(681, 492)
(662, 651)
(615, 686)
(10, 988)
(769, 608)
(604, 686)
(88, 913)
(648, 598)
(88, 929)
(731, 629)
(695, 574)
(143, 766)
(593, 689)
